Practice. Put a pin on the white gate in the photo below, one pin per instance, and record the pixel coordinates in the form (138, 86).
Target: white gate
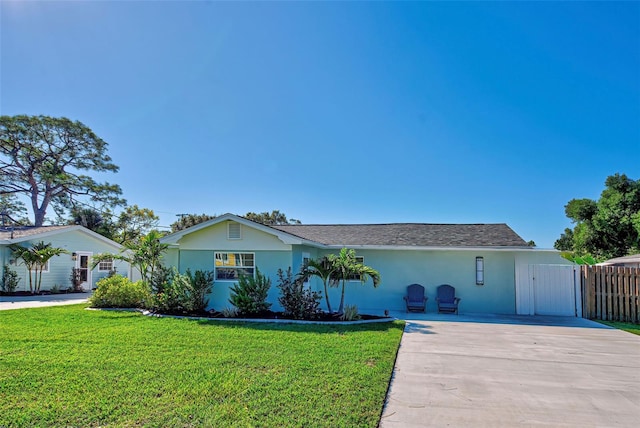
(548, 290)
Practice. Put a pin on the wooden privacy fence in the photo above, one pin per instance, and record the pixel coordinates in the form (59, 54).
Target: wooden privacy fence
(611, 293)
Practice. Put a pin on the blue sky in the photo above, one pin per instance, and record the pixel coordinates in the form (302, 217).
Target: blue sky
(434, 112)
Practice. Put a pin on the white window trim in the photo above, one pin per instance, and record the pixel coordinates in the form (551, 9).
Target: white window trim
(215, 268)
(45, 270)
(105, 270)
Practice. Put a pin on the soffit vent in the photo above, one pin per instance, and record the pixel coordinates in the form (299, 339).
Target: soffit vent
(234, 231)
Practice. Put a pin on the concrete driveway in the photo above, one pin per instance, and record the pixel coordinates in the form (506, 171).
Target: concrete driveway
(22, 302)
(492, 371)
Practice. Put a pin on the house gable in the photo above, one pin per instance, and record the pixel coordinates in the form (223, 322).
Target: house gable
(233, 236)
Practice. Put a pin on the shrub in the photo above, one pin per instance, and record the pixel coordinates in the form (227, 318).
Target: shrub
(76, 279)
(201, 284)
(119, 292)
(350, 313)
(171, 292)
(10, 280)
(249, 294)
(231, 312)
(174, 293)
(298, 302)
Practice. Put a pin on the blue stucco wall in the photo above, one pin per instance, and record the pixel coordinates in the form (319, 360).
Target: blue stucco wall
(431, 269)
(268, 262)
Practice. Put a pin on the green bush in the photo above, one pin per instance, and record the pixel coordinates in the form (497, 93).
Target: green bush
(298, 302)
(119, 292)
(175, 293)
(350, 313)
(201, 285)
(10, 280)
(249, 294)
(172, 292)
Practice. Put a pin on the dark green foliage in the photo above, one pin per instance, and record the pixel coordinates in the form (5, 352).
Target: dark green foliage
(10, 280)
(188, 220)
(201, 285)
(298, 302)
(608, 227)
(174, 293)
(171, 292)
(119, 292)
(274, 217)
(249, 294)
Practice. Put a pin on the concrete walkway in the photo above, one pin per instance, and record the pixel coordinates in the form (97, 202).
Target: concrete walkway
(22, 302)
(494, 371)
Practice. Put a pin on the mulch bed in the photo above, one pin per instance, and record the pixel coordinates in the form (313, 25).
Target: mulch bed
(270, 315)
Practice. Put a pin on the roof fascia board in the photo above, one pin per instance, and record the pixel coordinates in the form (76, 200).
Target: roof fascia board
(433, 248)
(79, 228)
(285, 237)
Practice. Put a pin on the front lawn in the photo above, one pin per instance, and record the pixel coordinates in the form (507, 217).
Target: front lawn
(626, 326)
(65, 366)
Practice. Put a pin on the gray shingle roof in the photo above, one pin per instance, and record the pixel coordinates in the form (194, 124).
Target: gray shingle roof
(409, 234)
(25, 231)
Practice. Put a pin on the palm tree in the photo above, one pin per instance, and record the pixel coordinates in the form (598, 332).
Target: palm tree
(346, 268)
(35, 259)
(145, 254)
(324, 270)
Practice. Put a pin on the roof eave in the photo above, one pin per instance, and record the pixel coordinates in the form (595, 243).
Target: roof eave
(59, 231)
(436, 248)
(286, 238)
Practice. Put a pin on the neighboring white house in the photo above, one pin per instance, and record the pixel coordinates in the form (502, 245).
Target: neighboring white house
(79, 242)
(626, 261)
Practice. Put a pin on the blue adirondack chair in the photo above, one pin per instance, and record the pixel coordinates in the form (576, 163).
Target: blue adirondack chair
(415, 298)
(447, 300)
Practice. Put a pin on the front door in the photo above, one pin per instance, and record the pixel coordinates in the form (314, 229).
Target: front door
(82, 263)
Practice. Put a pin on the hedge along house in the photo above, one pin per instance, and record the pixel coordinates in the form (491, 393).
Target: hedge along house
(479, 260)
(79, 242)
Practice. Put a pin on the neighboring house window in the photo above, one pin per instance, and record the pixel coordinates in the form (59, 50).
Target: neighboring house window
(230, 266)
(45, 268)
(234, 231)
(479, 270)
(105, 265)
(360, 260)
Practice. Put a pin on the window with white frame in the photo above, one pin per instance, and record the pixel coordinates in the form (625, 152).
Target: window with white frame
(105, 265)
(360, 260)
(231, 266)
(45, 268)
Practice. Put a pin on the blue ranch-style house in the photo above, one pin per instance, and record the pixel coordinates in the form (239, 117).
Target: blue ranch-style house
(488, 264)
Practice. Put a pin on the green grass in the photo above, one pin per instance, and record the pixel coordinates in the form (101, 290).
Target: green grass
(626, 326)
(65, 366)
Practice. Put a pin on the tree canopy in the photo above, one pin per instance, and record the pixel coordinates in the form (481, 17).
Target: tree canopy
(12, 211)
(272, 218)
(45, 159)
(131, 224)
(188, 220)
(608, 227)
